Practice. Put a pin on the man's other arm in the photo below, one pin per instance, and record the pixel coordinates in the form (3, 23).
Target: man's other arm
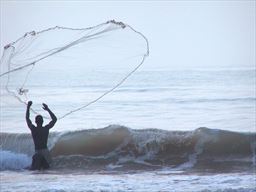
(29, 122)
(53, 117)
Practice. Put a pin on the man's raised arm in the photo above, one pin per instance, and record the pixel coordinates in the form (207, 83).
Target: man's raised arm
(54, 118)
(29, 122)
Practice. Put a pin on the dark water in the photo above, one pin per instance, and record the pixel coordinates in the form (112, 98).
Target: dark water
(121, 148)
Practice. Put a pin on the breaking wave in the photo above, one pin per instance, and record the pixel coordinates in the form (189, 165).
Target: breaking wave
(120, 148)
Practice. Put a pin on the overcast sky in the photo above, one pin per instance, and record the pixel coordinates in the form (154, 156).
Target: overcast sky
(182, 34)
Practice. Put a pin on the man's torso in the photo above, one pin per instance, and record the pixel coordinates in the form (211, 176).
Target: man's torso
(40, 137)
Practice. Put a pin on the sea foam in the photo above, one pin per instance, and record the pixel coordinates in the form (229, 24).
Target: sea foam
(13, 161)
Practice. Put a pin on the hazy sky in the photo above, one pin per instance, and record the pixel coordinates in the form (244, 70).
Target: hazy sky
(182, 34)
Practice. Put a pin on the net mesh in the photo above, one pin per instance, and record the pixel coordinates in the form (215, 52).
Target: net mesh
(70, 68)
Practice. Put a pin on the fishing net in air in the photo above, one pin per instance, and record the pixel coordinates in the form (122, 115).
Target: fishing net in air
(69, 68)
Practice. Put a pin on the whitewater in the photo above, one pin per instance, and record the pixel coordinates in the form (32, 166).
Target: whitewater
(162, 130)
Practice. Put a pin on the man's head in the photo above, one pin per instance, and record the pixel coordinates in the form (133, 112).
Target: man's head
(39, 120)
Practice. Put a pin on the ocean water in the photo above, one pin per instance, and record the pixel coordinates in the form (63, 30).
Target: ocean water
(170, 100)
(162, 130)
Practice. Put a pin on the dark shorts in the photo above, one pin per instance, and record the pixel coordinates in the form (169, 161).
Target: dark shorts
(41, 159)
(46, 154)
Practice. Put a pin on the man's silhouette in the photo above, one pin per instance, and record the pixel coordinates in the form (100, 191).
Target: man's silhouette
(41, 158)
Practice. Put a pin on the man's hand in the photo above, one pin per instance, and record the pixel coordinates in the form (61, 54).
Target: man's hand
(29, 103)
(45, 107)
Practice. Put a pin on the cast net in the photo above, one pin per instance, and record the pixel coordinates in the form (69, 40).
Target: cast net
(69, 68)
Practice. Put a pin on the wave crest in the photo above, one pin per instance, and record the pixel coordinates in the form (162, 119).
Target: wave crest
(116, 147)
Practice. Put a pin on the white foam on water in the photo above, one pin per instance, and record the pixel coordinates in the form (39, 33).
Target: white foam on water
(123, 182)
(13, 161)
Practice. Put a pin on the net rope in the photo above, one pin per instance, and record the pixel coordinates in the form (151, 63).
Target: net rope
(54, 51)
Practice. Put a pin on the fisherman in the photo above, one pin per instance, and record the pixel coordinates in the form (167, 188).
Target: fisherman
(41, 159)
